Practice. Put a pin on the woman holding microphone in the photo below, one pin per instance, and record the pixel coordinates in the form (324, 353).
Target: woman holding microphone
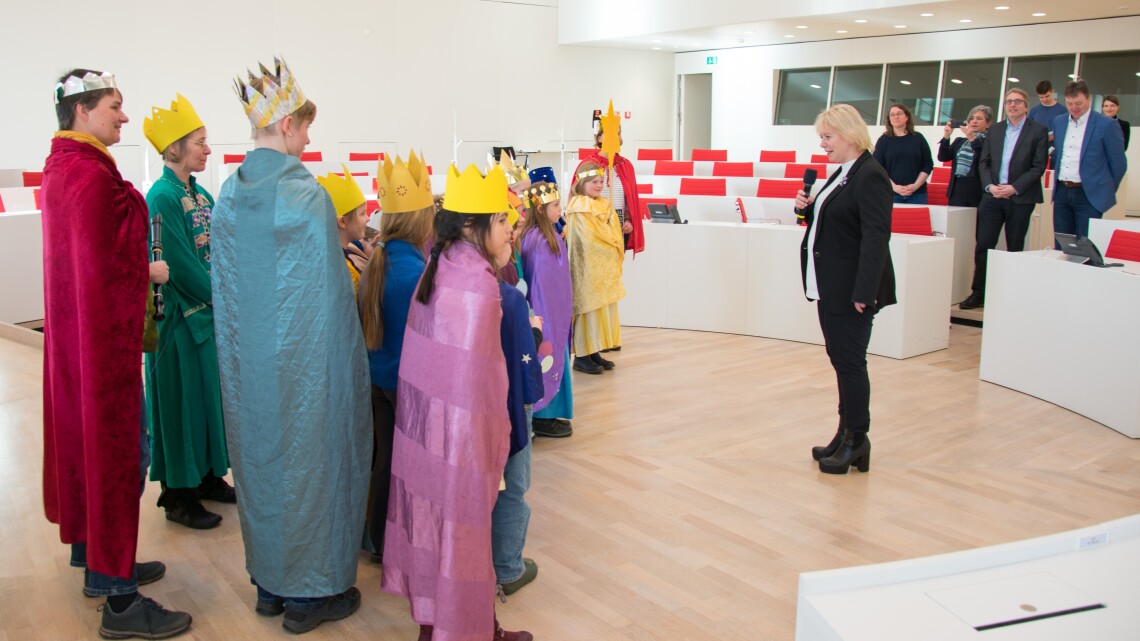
(846, 265)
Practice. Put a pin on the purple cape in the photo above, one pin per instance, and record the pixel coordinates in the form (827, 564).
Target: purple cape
(550, 296)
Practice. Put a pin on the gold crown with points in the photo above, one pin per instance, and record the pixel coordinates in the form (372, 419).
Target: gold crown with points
(515, 173)
(473, 193)
(166, 126)
(345, 193)
(403, 188)
(542, 194)
(282, 95)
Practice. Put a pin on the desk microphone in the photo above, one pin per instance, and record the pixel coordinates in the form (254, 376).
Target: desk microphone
(809, 181)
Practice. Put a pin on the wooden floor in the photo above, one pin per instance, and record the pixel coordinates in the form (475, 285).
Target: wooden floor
(684, 507)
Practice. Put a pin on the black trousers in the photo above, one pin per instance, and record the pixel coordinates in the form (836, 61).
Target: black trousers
(993, 214)
(383, 431)
(845, 337)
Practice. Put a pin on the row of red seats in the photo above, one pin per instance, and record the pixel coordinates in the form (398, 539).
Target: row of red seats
(710, 155)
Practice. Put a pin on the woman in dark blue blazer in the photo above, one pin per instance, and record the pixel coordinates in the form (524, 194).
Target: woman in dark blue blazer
(965, 188)
(845, 261)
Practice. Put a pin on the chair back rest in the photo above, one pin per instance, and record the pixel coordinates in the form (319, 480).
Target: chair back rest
(911, 220)
(702, 187)
(777, 156)
(745, 169)
(778, 188)
(716, 155)
(655, 154)
(1124, 245)
(673, 168)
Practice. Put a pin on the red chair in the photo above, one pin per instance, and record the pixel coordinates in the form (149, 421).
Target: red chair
(818, 158)
(645, 188)
(673, 168)
(796, 170)
(645, 202)
(936, 194)
(715, 155)
(585, 152)
(2, 210)
(911, 220)
(940, 175)
(745, 169)
(948, 163)
(778, 188)
(1048, 178)
(230, 159)
(740, 210)
(655, 154)
(1124, 245)
(354, 173)
(36, 197)
(33, 178)
(353, 156)
(371, 206)
(777, 156)
(702, 187)
(311, 156)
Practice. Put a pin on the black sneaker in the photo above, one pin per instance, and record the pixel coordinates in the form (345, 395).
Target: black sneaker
(606, 365)
(973, 301)
(333, 608)
(551, 428)
(145, 619)
(530, 570)
(146, 572)
(587, 365)
(190, 512)
(215, 488)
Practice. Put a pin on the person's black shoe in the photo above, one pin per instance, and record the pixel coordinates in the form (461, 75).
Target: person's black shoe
(145, 619)
(270, 606)
(215, 488)
(825, 451)
(333, 608)
(606, 365)
(613, 349)
(854, 449)
(587, 365)
(145, 572)
(183, 507)
(973, 301)
(551, 428)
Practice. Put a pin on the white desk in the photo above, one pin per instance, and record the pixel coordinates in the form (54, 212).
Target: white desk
(900, 601)
(1065, 333)
(1100, 230)
(21, 267)
(745, 279)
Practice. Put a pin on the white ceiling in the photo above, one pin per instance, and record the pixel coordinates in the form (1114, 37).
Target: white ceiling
(840, 22)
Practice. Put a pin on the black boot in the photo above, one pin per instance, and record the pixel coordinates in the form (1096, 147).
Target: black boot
(606, 364)
(215, 488)
(824, 451)
(854, 449)
(587, 365)
(183, 506)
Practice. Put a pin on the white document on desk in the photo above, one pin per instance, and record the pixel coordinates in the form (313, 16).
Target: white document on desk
(1009, 601)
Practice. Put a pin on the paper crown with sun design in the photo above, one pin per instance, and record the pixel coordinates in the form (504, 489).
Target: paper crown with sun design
(345, 193)
(473, 193)
(542, 194)
(166, 126)
(280, 97)
(403, 187)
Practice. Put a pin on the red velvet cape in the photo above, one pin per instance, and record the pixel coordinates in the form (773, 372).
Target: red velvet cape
(624, 170)
(95, 283)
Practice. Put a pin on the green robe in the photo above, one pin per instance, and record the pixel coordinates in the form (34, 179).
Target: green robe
(183, 391)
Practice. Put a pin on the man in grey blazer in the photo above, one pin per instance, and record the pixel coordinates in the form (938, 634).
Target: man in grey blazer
(1089, 159)
(1012, 161)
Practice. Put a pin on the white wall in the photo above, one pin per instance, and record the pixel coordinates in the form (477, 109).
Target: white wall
(385, 74)
(744, 80)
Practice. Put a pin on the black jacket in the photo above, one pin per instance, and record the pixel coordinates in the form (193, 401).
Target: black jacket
(963, 191)
(852, 244)
(1027, 164)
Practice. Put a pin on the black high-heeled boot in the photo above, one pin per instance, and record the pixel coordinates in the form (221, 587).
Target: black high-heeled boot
(824, 451)
(854, 449)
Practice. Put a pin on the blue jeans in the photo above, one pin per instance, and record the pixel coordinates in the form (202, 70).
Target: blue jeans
(511, 516)
(1072, 211)
(102, 584)
(295, 603)
(913, 199)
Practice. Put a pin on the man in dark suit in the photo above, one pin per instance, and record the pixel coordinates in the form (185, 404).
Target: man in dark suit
(1090, 163)
(1012, 161)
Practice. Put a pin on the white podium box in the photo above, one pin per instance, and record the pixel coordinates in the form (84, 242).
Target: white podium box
(961, 224)
(21, 267)
(1020, 590)
(1065, 333)
(745, 279)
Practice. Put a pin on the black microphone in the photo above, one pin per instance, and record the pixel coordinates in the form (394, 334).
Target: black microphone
(156, 255)
(809, 181)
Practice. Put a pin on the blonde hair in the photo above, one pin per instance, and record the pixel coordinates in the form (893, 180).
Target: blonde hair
(414, 228)
(844, 120)
(539, 220)
(579, 186)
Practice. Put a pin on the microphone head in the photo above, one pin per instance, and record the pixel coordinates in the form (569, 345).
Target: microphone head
(809, 176)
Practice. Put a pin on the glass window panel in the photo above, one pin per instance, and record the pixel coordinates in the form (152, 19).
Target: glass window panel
(859, 87)
(1116, 73)
(803, 94)
(1027, 72)
(967, 84)
(915, 85)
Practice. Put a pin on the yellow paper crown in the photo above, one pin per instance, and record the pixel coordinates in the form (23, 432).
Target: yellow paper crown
(166, 126)
(542, 194)
(345, 193)
(282, 95)
(403, 188)
(472, 193)
(515, 173)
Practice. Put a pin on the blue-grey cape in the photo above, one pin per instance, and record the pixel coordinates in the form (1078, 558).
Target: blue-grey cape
(294, 375)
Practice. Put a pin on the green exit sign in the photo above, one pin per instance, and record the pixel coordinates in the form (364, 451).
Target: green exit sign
(711, 60)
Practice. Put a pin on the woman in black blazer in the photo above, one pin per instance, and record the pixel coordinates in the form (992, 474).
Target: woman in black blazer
(845, 261)
(965, 188)
(1110, 106)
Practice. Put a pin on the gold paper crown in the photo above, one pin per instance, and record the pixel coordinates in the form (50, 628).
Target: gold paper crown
(515, 173)
(542, 194)
(403, 188)
(282, 95)
(166, 126)
(345, 193)
(89, 82)
(589, 173)
(472, 193)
